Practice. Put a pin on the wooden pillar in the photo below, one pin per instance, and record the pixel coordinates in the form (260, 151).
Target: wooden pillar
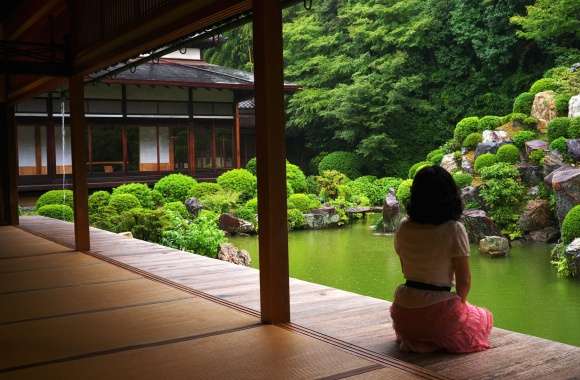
(237, 153)
(271, 157)
(79, 162)
(8, 166)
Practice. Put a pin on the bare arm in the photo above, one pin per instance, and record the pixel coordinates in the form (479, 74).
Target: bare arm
(462, 276)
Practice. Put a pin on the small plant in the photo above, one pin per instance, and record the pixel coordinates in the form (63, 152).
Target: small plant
(55, 197)
(508, 153)
(558, 127)
(201, 236)
(571, 225)
(345, 162)
(562, 101)
(251, 166)
(295, 219)
(175, 187)
(311, 185)
(523, 103)
(536, 156)
(462, 179)
(520, 138)
(98, 200)
(240, 181)
(123, 202)
(544, 84)
(574, 128)
(559, 145)
(418, 166)
(404, 192)
(56, 211)
(489, 123)
(484, 160)
(472, 140)
(465, 127)
(139, 190)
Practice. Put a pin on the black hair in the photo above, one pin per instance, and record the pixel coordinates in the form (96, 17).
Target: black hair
(435, 198)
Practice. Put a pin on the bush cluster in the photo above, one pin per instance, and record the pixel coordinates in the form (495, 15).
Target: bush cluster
(177, 207)
(345, 162)
(559, 145)
(574, 128)
(240, 181)
(329, 182)
(201, 236)
(296, 178)
(175, 187)
(544, 84)
(500, 170)
(465, 127)
(201, 189)
(484, 160)
(558, 127)
(508, 153)
(55, 197)
(472, 140)
(98, 200)
(220, 202)
(523, 103)
(123, 202)
(296, 219)
(56, 211)
(435, 156)
(141, 191)
(562, 101)
(404, 192)
(520, 138)
(571, 225)
(251, 166)
(536, 156)
(302, 202)
(462, 179)
(489, 123)
(416, 167)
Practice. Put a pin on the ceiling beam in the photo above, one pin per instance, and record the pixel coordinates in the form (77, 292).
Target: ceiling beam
(27, 15)
(35, 68)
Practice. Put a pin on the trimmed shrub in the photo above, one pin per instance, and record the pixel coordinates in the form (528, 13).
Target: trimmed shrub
(520, 138)
(462, 179)
(178, 208)
(175, 187)
(251, 166)
(157, 198)
(124, 202)
(144, 224)
(201, 236)
(472, 140)
(544, 84)
(345, 162)
(296, 178)
(465, 127)
(139, 190)
(489, 123)
(404, 192)
(559, 145)
(530, 122)
(571, 225)
(289, 189)
(416, 167)
(435, 156)
(558, 127)
(574, 128)
(536, 156)
(220, 202)
(523, 103)
(240, 181)
(508, 153)
(201, 189)
(483, 161)
(329, 182)
(518, 118)
(56, 211)
(500, 170)
(107, 218)
(56, 197)
(302, 202)
(98, 200)
(562, 101)
(295, 219)
(253, 204)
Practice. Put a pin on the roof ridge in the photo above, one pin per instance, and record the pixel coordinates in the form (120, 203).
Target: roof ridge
(209, 71)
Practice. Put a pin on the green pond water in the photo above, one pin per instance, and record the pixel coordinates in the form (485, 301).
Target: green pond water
(522, 290)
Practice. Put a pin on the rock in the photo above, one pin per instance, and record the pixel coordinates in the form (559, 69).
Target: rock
(552, 161)
(483, 148)
(536, 216)
(574, 106)
(228, 252)
(532, 175)
(467, 162)
(470, 194)
(448, 163)
(233, 225)
(533, 192)
(392, 215)
(320, 218)
(574, 148)
(565, 182)
(478, 225)
(534, 145)
(495, 246)
(495, 137)
(545, 235)
(544, 109)
(193, 206)
(572, 253)
(128, 234)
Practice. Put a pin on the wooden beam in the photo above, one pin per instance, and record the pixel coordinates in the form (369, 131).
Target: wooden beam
(271, 156)
(8, 166)
(28, 14)
(237, 152)
(79, 162)
(35, 68)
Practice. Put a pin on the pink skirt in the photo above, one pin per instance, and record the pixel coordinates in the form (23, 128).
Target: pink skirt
(450, 325)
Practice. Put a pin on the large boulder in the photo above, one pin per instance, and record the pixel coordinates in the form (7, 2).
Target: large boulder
(544, 109)
(478, 225)
(194, 206)
(322, 217)
(488, 147)
(391, 212)
(574, 106)
(572, 253)
(565, 182)
(532, 175)
(233, 225)
(574, 148)
(228, 252)
(449, 163)
(552, 160)
(495, 137)
(535, 145)
(536, 216)
(495, 246)
(545, 235)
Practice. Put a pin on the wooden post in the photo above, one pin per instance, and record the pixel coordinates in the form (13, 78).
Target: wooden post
(79, 162)
(8, 167)
(237, 135)
(271, 157)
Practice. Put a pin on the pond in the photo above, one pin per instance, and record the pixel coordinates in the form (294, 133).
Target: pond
(522, 290)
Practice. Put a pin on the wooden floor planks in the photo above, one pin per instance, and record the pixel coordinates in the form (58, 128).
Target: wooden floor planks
(360, 320)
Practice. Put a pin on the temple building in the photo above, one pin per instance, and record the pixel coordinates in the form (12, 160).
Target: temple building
(174, 114)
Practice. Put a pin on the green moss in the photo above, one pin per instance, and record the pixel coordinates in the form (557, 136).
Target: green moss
(472, 140)
(523, 103)
(345, 162)
(520, 138)
(175, 187)
(484, 160)
(508, 153)
(56, 211)
(544, 84)
(465, 127)
(240, 181)
(55, 197)
(558, 127)
(123, 202)
(559, 145)
(462, 179)
(435, 156)
(571, 225)
(530, 122)
(519, 118)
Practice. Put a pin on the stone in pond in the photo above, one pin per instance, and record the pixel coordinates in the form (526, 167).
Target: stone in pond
(495, 246)
(573, 254)
(574, 148)
(545, 235)
(449, 163)
(536, 216)
(233, 225)
(228, 252)
(574, 106)
(391, 212)
(193, 206)
(320, 218)
(565, 182)
(478, 225)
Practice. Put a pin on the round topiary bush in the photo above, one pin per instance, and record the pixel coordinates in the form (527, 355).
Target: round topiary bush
(302, 202)
(465, 127)
(544, 84)
(523, 103)
(558, 127)
(562, 101)
(56, 211)
(296, 219)
(347, 163)
(520, 138)
(55, 197)
(483, 161)
(98, 200)
(574, 128)
(489, 123)
(472, 140)
(178, 208)
(295, 176)
(240, 181)
(530, 122)
(462, 179)
(571, 225)
(175, 187)
(518, 118)
(416, 167)
(404, 192)
(536, 156)
(123, 202)
(201, 189)
(559, 145)
(251, 166)
(435, 156)
(140, 190)
(508, 153)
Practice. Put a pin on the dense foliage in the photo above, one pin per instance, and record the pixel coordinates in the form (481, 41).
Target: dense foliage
(508, 153)
(123, 202)
(484, 160)
(141, 191)
(175, 187)
(344, 162)
(56, 211)
(558, 127)
(55, 197)
(240, 181)
(520, 138)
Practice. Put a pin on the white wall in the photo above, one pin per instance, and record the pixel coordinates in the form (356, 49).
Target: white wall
(26, 146)
(147, 145)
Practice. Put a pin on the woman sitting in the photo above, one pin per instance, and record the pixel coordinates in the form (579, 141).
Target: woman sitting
(434, 251)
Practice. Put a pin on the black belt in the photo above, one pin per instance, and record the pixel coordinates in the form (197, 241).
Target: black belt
(424, 286)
